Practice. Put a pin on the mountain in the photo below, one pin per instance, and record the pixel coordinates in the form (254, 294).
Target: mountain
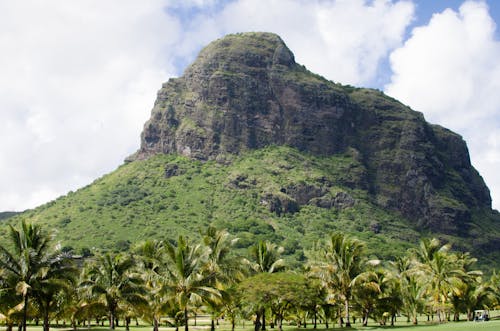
(7, 214)
(252, 141)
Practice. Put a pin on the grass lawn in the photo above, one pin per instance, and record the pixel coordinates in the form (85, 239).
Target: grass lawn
(493, 325)
(401, 325)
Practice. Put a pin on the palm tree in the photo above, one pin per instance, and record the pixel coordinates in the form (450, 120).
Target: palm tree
(366, 290)
(152, 261)
(223, 268)
(32, 261)
(340, 263)
(226, 268)
(266, 257)
(472, 293)
(111, 280)
(52, 286)
(411, 289)
(441, 271)
(9, 299)
(186, 279)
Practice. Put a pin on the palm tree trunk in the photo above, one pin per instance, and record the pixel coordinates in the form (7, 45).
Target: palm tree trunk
(186, 328)
(25, 311)
(212, 325)
(155, 324)
(257, 322)
(46, 322)
(111, 319)
(347, 318)
(127, 323)
(263, 319)
(341, 320)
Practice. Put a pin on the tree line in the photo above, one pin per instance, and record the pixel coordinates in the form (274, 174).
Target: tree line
(174, 282)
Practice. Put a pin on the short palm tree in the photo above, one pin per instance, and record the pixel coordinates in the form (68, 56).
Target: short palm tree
(411, 289)
(9, 299)
(266, 257)
(112, 280)
(32, 262)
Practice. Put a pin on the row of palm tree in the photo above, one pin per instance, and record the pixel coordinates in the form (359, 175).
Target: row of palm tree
(164, 281)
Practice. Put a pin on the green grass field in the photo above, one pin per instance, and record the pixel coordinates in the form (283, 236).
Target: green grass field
(401, 325)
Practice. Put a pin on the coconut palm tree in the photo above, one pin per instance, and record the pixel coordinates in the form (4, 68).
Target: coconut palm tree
(10, 309)
(153, 265)
(52, 286)
(341, 261)
(441, 271)
(223, 268)
(112, 280)
(32, 262)
(411, 289)
(186, 279)
(366, 291)
(472, 293)
(267, 257)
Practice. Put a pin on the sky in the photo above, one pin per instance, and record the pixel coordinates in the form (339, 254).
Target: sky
(78, 79)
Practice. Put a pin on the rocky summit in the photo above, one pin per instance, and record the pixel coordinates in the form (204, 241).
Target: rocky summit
(245, 92)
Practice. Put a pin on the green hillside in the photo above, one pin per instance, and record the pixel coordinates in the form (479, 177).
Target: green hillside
(255, 196)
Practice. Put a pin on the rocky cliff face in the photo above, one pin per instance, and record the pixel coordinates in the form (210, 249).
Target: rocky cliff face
(245, 91)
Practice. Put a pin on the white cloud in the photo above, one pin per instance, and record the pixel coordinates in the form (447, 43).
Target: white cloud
(450, 70)
(78, 82)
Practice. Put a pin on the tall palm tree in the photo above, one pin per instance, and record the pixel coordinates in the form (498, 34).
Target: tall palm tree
(341, 261)
(32, 261)
(187, 281)
(152, 260)
(112, 280)
(51, 287)
(223, 268)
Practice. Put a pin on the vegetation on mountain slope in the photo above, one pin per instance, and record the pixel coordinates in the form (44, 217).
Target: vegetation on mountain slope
(276, 194)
